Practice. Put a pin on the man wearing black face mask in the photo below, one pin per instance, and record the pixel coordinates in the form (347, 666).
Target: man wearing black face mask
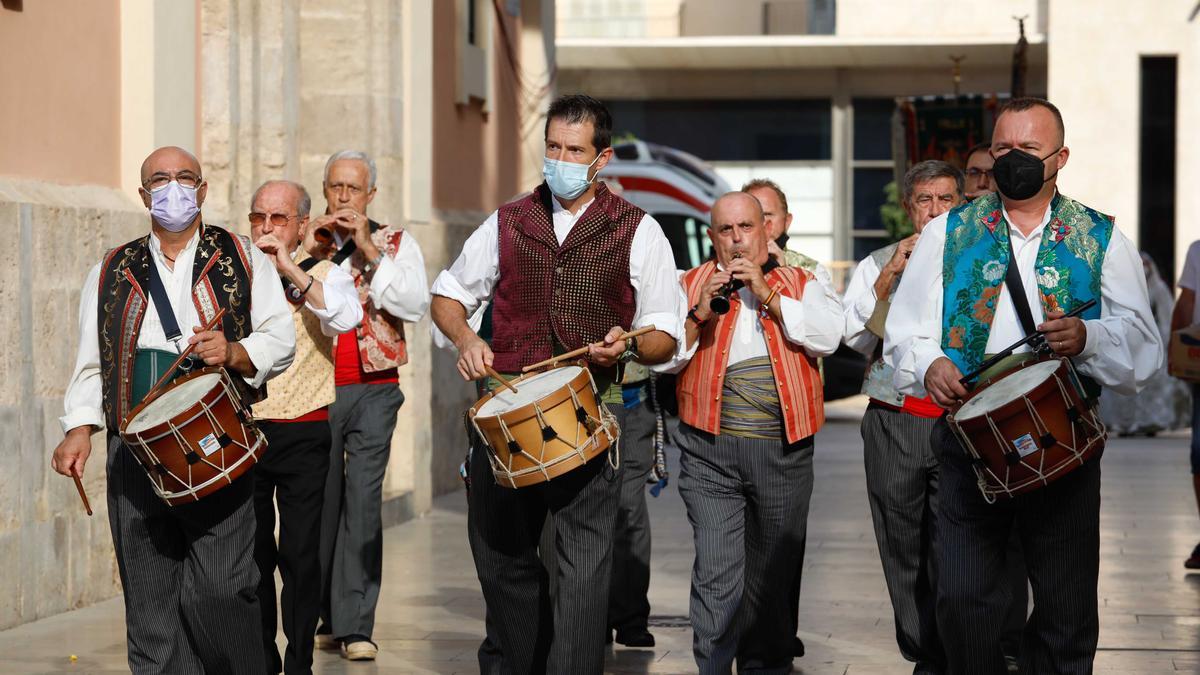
(187, 571)
(959, 308)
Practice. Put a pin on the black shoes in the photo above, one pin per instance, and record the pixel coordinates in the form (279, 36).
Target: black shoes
(631, 637)
(797, 647)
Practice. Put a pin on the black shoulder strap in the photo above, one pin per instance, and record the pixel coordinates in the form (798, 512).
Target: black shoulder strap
(1016, 291)
(162, 304)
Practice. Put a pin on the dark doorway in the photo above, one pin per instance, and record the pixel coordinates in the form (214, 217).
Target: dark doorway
(1156, 175)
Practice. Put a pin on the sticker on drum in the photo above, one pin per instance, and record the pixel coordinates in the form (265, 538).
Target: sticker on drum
(209, 444)
(1025, 445)
(1009, 389)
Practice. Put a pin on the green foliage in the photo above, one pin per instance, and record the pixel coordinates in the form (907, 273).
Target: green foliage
(624, 137)
(894, 218)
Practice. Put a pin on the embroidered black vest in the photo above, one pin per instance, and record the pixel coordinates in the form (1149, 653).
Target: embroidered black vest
(221, 277)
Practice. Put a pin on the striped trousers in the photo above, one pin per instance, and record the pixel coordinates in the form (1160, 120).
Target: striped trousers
(538, 631)
(1059, 528)
(747, 501)
(188, 574)
(902, 478)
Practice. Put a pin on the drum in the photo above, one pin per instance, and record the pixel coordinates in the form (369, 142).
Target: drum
(553, 424)
(193, 436)
(1028, 428)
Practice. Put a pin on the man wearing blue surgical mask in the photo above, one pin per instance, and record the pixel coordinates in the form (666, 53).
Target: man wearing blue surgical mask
(187, 571)
(566, 266)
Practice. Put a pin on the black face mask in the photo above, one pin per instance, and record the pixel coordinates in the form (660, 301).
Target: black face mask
(782, 241)
(1018, 174)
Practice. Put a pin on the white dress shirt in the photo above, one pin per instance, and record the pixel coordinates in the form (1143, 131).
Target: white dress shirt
(472, 278)
(813, 322)
(343, 312)
(859, 304)
(270, 346)
(399, 285)
(1123, 348)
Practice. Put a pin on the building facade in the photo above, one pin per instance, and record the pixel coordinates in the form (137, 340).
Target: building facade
(803, 91)
(447, 96)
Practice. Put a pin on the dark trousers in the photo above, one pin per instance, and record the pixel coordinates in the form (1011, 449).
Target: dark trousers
(188, 574)
(538, 632)
(747, 502)
(1059, 528)
(291, 472)
(628, 604)
(902, 485)
(361, 422)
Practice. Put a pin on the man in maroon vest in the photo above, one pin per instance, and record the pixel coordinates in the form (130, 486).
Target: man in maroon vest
(568, 265)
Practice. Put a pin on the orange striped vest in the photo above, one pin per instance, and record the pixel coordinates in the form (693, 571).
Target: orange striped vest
(796, 376)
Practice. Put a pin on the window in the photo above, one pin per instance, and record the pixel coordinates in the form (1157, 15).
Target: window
(722, 130)
(688, 237)
(474, 51)
(871, 169)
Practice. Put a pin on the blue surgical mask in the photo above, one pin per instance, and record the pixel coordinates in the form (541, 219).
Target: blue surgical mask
(173, 206)
(567, 180)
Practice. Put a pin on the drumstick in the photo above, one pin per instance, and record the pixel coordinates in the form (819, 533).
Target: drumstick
(82, 494)
(500, 378)
(583, 350)
(167, 373)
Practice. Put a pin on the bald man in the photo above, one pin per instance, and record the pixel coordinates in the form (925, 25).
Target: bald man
(750, 400)
(188, 571)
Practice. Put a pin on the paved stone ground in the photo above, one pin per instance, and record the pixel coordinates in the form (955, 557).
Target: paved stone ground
(430, 616)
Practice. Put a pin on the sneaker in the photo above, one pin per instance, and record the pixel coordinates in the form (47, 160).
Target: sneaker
(326, 641)
(1193, 562)
(358, 648)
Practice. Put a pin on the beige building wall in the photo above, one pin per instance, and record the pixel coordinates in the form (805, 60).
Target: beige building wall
(61, 107)
(1097, 86)
(60, 209)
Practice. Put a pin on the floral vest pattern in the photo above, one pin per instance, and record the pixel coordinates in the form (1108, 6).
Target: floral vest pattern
(1069, 261)
(221, 277)
(380, 336)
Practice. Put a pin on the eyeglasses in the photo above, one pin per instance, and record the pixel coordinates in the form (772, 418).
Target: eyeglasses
(277, 219)
(976, 173)
(160, 180)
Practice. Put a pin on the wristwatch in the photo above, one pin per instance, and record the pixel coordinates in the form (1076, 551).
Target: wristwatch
(372, 264)
(631, 350)
(695, 317)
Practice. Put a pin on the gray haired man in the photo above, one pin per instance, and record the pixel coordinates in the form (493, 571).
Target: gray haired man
(389, 275)
(902, 471)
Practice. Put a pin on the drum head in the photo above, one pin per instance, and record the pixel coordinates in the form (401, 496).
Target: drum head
(529, 390)
(171, 402)
(1008, 389)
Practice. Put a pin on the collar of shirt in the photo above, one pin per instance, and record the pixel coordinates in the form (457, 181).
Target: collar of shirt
(564, 220)
(1014, 231)
(187, 251)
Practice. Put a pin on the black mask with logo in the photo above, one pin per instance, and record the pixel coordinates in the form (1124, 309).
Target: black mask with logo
(1019, 175)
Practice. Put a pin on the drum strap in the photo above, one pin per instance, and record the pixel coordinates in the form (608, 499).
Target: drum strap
(162, 304)
(1016, 291)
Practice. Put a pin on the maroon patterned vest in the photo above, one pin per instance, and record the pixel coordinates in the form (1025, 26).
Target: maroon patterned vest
(554, 297)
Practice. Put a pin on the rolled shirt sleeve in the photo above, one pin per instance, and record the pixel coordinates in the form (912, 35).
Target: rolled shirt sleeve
(83, 403)
(272, 343)
(858, 305)
(399, 285)
(913, 337)
(815, 321)
(342, 312)
(652, 274)
(472, 276)
(1124, 349)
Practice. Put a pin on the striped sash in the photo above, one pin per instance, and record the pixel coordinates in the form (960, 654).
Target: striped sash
(750, 402)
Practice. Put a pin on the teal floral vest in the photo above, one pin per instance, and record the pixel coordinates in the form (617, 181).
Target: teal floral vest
(1068, 267)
